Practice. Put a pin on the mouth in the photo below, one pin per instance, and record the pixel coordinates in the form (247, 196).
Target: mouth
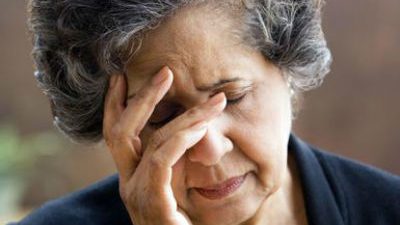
(223, 189)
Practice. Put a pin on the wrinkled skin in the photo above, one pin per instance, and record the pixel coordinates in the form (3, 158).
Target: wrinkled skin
(160, 165)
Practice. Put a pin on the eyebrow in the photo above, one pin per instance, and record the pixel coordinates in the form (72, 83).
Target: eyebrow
(211, 87)
(218, 84)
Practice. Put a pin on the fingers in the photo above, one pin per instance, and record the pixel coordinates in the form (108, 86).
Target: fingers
(141, 106)
(114, 102)
(170, 142)
(122, 125)
(120, 147)
(204, 112)
(173, 149)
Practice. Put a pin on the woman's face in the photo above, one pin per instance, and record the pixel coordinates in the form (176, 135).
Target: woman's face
(249, 139)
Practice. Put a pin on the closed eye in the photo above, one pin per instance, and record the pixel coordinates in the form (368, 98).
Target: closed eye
(235, 101)
(161, 123)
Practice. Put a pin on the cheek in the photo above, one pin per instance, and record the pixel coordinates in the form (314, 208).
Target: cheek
(263, 136)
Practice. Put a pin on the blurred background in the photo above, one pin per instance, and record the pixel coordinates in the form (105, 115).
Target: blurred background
(355, 113)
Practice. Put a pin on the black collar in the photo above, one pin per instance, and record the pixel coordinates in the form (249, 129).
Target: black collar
(321, 205)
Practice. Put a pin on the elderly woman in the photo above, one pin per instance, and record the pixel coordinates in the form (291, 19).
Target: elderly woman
(195, 101)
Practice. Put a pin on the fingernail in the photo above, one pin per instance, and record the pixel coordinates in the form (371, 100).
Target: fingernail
(216, 99)
(161, 76)
(113, 80)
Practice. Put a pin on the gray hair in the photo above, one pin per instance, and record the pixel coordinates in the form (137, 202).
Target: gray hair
(78, 44)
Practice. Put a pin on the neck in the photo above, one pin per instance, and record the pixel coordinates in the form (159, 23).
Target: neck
(286, 205)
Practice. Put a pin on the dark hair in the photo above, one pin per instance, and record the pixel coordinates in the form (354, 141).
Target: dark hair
(78, 44)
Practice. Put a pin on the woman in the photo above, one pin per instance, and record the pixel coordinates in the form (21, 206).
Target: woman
(195, 101)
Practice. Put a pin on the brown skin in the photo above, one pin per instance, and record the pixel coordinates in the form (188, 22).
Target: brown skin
(160, 166)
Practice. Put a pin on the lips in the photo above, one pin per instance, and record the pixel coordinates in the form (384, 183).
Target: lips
(223, 189)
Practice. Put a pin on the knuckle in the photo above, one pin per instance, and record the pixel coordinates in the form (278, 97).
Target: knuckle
(156, 162)
(140, 95)
(114, 132)
(181, 136)
(110, 136)
(117, 136)
(109, 132)
(158, 137)
(193, 112)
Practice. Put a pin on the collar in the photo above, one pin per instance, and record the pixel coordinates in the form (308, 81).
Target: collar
(320, 203)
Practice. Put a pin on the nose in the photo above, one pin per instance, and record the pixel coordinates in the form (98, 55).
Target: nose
(211, 148)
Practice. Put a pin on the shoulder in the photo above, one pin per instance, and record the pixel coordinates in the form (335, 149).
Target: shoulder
(372, 195)
(97, 204)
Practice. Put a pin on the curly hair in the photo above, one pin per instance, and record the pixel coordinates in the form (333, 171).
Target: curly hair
(78, 44)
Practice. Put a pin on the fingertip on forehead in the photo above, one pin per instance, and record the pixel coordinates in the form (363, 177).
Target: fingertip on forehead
(169, 73)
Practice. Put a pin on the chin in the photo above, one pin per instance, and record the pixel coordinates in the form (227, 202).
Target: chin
(233, 214)
(237, 208)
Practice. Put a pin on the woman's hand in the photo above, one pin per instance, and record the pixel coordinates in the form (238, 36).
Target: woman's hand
(146, 174)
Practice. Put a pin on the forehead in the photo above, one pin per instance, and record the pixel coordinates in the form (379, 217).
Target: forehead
(199, 47)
